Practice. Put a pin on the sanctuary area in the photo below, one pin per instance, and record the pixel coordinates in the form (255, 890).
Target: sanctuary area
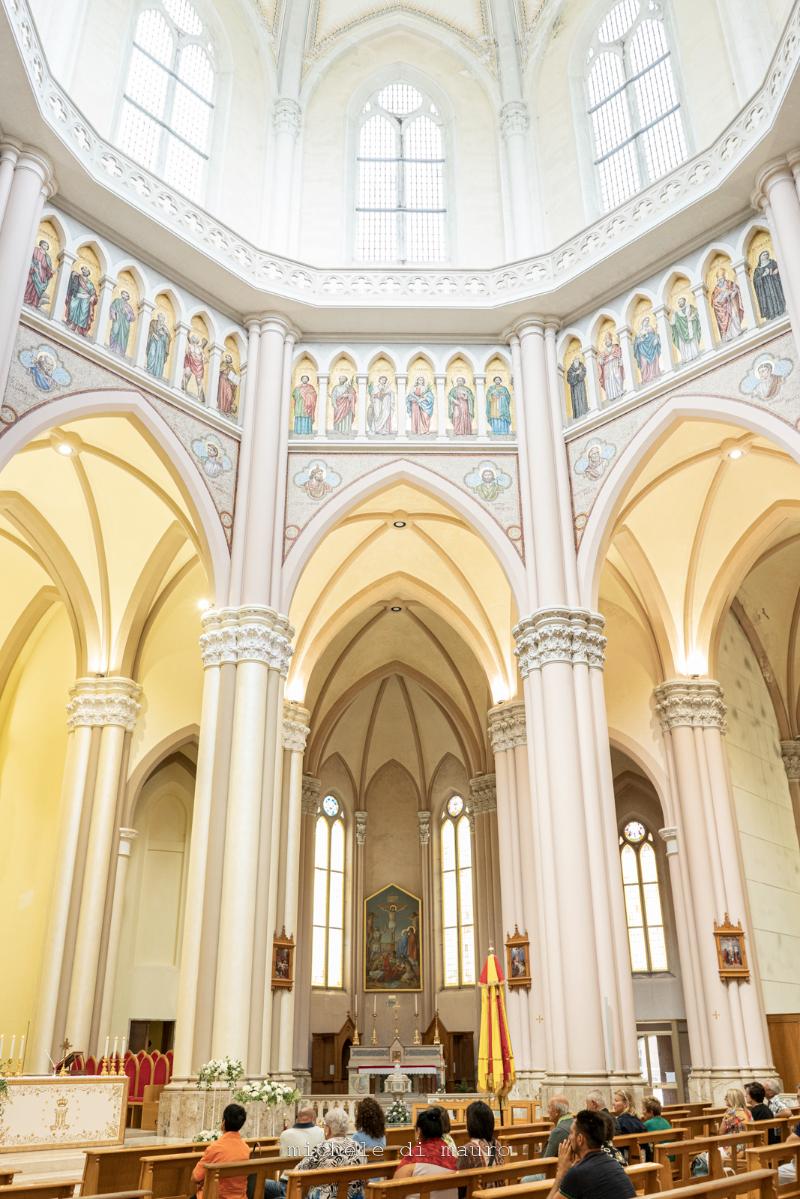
(400, 546)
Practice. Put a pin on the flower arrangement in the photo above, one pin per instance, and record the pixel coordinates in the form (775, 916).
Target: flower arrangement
(398, 1113)
(207, 1134)
(223, 1069)
(266, 1091)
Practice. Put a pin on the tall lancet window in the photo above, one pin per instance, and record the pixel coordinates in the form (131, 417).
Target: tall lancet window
(643, 908)
(400, 205)
(458, 911)
(168, 103)
(327, 944)
(633, 102)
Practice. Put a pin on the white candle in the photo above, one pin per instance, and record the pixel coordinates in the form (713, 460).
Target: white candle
(22, 1049)
(108, 1042)
(122, 1050)
(374, 1006)
(114, 1053)
(11, 1051)
(416, 1007)
(355, 1005)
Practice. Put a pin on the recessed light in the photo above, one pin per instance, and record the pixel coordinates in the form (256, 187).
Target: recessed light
(203, 605)
(395, 608)
(65, 448)
(399, 524)
(735, 453)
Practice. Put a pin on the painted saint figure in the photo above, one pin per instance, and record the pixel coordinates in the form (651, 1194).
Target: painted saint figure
(344, 399)
(610, 368)
(686, 330)
(419, 406)
(81, 301)
(647, 351)
(461, 407)
(194, 364)
(304, 402)
(39, 275)
(498, 407)
(726, 300)
(159, 340)
(380, 408)
(576, 381)
(768, 287)
(122, 318)
(227, 387)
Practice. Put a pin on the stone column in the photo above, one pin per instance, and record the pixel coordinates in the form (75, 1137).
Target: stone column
(66, 262)
(309, 807)
(175, 378)
(707, 341)
(629, 362)
(126, 838)
(287, 121)
(441, 406)
(514, 127)
(322, 405)
(429, 965)
(592, 378)
(790, 752)
(361, 407)
(214, 363)
(743, 279)
(777, 195)
(30, 185)
(110, 704)
(100, 328)
(483, 806)
(400, 421)
(665, 333)
(481, 425)
(295, 735)
(144, 316)
(9, 153)
(692, 716)
(357, 954)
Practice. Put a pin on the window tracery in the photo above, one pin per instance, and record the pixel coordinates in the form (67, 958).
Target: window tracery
(458, 914)
(327, 944)
(643, 907)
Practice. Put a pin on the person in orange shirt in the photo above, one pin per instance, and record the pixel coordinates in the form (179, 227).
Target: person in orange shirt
(229, 1148)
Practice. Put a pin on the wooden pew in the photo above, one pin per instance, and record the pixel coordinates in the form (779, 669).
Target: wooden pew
(115, 1169)
(524, 1144)
(684, 1152)
(168, 1175)
(398, 1188)
(7, 1177)
(770, 1157)
(299, 1182)
(647, 1179)
(57, 1189)
(760, 1183)
(633, 1143)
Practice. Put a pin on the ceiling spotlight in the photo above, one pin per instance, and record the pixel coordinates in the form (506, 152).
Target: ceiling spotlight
(203, 605)
(735, 453)
(395, 608)
(399, 524)
(65, 448)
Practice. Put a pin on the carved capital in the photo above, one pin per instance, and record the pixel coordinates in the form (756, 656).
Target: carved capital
(361, 827)
(424, 821)
(101, 701)
(483, 791)
(696, 703)
(514, 118)
(507, 727)
(309, 796)
(572, 635)
(790, 752)
(127, 836)
(253, 633)
(218, 638)
(670, 838)
(295, 726)
(287, 116)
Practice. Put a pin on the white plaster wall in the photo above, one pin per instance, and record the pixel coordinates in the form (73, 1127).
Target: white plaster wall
(766, 824)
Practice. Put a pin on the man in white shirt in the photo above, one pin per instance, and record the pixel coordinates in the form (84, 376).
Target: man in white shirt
(773, 1099)
(297, 1141)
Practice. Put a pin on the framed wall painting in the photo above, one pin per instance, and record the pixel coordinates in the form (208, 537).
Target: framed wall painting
(392, 940)
(518, 959)
(731, 952)
(282, 962)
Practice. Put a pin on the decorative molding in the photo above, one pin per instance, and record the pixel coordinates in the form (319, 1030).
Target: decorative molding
(253, 633)
(309, 795)
(96, 702)
(361, 826)
(483, 791)
(670, 838)
(287, 116)
(507, 728)
(515, 282)
(696, 703)
(127, 836)
(514, 118)
(296, 726)
(572, 635)
(424, 821)
(790, 752)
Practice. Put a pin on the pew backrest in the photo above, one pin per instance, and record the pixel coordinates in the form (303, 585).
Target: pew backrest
(760, 1183)
(168, 1175)
(772, 1157)
(300, 1182)
(57, 1189)
(722, 1151)
(116, 1169)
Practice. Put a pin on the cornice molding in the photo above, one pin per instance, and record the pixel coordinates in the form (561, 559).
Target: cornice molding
(252, 633)
(96, 702)
(507, 728)
(572, 635)
(692, 703)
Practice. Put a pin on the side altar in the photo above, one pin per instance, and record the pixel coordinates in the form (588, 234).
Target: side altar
(371, 1065)
(63, 1112)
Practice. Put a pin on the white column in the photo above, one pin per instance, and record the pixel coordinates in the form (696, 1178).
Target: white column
(66, 262)
(214, 361)
(665, 333)
(112, 704)
(790, 752)
(592, 378)
(144, 316)
(309, 806)
(357, 954)
(217, 646)
(287, 121)
(100, 327)
(692, 716)
(707, 341)
(777, 195)
(322, 405)
(361, 407)
(629, 362)
(31, 184)
(743, 279)
(175, 378)
(429, 966)
(295, 735)
(441, 406)
(9, 153)
(481, 426)
(126, 838)
(401, 416)
(245, 461)
(514, 127)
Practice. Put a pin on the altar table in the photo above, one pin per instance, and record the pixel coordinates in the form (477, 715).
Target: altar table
(424, 1064)
(64, 1112)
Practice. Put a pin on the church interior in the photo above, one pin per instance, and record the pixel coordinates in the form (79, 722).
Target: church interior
(400, 534)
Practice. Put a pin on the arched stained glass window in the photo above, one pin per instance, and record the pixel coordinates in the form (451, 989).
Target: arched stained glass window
(400, 204)
(643, 909)
(633, 103)
(458, 915)
(168, 103)
(327, 944)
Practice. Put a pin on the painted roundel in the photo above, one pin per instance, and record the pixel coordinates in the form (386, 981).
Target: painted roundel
(330, 805)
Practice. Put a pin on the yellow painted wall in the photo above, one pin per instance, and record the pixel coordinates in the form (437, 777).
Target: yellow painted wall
(33, 736)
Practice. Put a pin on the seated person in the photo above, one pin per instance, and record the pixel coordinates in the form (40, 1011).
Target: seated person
(338, 1149)
(370, 1124)
(229, 1148)
(430, 1149)
(298, 1141)
(756, 1097)
(654, 1121)
(481, 1150)
(625, 1117)
(773, 1099)
(584, 1170)
(561, 1118)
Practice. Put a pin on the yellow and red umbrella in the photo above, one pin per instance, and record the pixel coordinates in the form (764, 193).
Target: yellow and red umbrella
(495, 1056)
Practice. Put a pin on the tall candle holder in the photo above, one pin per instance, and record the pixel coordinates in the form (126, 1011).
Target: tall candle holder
(374, 1034)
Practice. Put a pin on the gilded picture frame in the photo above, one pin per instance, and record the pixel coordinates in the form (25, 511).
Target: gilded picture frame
(518, 960)
(731, 951)
(392, 940)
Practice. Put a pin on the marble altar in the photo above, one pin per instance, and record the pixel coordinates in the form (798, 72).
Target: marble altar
(371, 1065)
(185, 1109)
(62, 1112)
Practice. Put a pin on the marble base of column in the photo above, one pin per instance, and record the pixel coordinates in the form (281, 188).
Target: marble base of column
(710, 1086)
(577, 1086)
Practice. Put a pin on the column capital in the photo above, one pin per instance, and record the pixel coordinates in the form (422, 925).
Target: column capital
(573, 635)
(33, 160)
(96, 702)
(670, 838)
(252, 633)
(483, 790)
(309, 795)
(777, 171)
(507, 728)
(361, 826)
(694, 703)
(514, 118)
(296, 726)
(424, 822)
(790, 752)
(287, 116)
(127, 836)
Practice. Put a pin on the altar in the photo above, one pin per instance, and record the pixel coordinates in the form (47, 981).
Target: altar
(371, 1064)
(63, 1112)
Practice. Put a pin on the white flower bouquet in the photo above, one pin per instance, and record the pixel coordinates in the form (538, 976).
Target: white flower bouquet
(222, 1069)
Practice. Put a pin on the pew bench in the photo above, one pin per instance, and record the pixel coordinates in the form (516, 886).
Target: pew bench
(168, 1175)
(758, 1184)
(647, 1179)
(524, 1144)
(770, 1157)
(633, 1143)
(506, 1175)
(57, 1189)
(300, 1182)
(117, 1168)
(684, 1152)
(7, 1177)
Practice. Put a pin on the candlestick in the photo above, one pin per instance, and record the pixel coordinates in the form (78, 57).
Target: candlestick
(22, 1053)
(108, 1043)
(416, 1006)
(114, 1051)
(355, 1006)
(11, 1050)
(374, 1006)
(122, 1047)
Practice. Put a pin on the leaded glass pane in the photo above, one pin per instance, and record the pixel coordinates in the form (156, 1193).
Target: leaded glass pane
(647, 861)
(449, 899)
(321, 843)
(147, 83)
(658, 949)
(450, 943)
(635, 831)
(455, 805)
(337, 845)
(448, 846)
(619, 20)
(628, 858)
(633, 906)
(335, 944)
(399, 98)
(196, 71)
(336, 901)
(139, 135)
(464, 843)
(184, 15)
(638, 950)
(320, 896)
(153, 34)
(467, 956)
(652, 904)
(318, 957)
(330, 805)
(191, 117)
